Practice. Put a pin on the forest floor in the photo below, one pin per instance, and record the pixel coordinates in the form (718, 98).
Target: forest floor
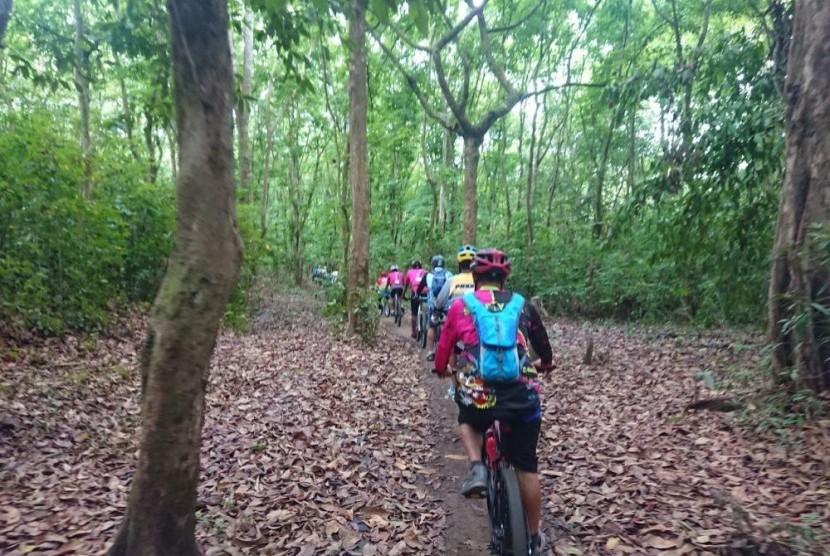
(314, 445)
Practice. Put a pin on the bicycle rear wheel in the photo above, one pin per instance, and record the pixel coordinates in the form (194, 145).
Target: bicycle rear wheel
(510, 513)
(398, 311)
(422, 325)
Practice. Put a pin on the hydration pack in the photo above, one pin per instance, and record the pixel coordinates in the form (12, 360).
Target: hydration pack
(438, 280)
(498, 358)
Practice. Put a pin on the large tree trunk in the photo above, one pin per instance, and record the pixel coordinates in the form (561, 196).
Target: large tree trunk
(799, 294)
(472, 146)
(243, 105)
(5, 15)
(82, 86)
(160, 517)
(358, 161)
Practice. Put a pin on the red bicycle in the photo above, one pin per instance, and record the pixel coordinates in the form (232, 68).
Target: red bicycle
(510, 534)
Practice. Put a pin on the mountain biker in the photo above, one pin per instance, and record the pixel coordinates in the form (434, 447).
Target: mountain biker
(383, 292)
(395, 285)
(434, 282)
(461, 283)
(515, 402)
(411, 281)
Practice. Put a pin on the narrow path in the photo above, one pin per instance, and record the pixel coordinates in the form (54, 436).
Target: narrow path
(467, 531)
(316, 446)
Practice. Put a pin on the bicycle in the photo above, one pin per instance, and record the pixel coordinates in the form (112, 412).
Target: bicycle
(510, 535)
(438, 318)
(398, 310)
(422, 323)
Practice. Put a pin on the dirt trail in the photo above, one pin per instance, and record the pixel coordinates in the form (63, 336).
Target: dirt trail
(467, 531)
(317, 446)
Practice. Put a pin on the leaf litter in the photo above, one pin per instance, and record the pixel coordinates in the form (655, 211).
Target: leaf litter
(313, 445)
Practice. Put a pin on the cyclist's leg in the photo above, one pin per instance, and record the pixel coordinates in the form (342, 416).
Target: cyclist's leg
(472, 423)
(414, 303)
(520, 448)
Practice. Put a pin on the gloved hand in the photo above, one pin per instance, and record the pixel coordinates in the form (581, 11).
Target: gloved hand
(543, 367)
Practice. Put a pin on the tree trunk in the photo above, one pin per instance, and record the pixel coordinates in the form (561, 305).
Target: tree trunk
(601, 173)
(5, 15)
(266, 180)
(799, 296)
(160, 517)
(358, 162)
(150, 143)
(472, 154)
(82, 86)
(243, 105)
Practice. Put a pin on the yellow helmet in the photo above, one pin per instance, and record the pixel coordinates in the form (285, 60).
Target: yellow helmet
(466, 253)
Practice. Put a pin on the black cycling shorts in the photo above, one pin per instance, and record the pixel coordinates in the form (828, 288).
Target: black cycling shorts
(518, 445)
(397, 291)
(415, 304)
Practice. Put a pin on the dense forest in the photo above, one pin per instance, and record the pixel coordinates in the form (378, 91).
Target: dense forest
(628, 154)
(173, 174)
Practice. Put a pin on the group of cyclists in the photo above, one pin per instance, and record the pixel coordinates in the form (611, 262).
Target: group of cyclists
(488, 335)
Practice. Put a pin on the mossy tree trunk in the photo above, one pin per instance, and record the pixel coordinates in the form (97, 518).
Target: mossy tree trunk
(799, 294)
(358, 161)
(160, 517)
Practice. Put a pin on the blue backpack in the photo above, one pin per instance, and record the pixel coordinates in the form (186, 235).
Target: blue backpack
(439, 277)
(498, 358)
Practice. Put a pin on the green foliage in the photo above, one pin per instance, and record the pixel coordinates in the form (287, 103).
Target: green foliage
(65, 260)
(366, 311)
(244, 299)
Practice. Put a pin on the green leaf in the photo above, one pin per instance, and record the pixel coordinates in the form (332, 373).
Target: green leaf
(380, 9)
(418, 12)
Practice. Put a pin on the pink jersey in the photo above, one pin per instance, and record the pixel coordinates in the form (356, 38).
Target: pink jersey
(395, 279)
(413, 277)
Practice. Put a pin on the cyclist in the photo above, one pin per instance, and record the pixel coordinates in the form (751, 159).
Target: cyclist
(515, 402)
(411, 282)
(395, 286)
(461, 283)
(434, 282)
(383, 292)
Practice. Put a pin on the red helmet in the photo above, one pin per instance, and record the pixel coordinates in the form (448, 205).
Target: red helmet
(491, 262)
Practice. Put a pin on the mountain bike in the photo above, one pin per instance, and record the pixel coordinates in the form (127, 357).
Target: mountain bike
(510, 535)
(398, 308)
(422, 323)
(438, 318)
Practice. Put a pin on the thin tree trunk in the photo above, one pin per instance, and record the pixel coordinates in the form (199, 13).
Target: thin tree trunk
(171, 141)
(160, 519)
(266, 180)
(531, 178)
(5, 15)
(448, 152)
(472, 154)
(601, 173)
(358, 163)
(82, 86)
(798, 326)
(243, 106)
(150, 143)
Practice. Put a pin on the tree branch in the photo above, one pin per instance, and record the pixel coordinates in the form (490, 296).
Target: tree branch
(459, 111)
(498, 72)
(413, 85)
(511, 26)
(446, 39)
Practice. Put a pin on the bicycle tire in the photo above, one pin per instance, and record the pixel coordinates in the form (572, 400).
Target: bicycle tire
(512, 514)
(422, 318)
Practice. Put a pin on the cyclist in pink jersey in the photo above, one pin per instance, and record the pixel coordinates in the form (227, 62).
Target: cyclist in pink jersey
(410, 282)
(394, 283)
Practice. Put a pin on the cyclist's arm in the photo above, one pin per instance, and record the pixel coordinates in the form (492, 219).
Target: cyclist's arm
(444, 349)
(537, 334)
